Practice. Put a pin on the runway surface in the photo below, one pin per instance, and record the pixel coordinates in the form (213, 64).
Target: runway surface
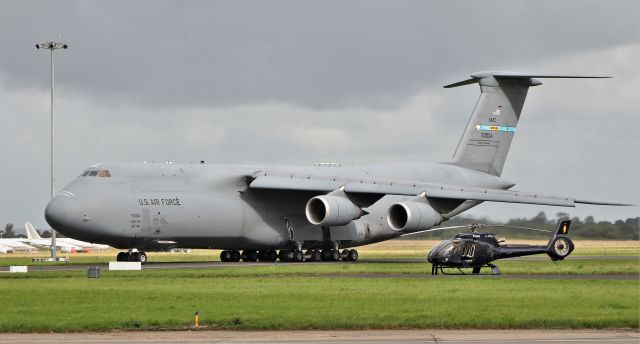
(325, 337)
(426, 274)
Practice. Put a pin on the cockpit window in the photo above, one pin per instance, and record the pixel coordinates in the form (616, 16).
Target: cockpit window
(96, 173)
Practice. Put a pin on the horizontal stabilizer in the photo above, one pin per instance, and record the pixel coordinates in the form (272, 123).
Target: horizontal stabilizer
(541, 76)
(476, 77)
(462, 83)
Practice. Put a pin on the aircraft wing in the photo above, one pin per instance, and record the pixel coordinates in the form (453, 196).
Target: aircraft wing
(412, 189)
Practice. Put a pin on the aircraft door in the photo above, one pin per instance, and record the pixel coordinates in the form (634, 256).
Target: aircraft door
(152, 223)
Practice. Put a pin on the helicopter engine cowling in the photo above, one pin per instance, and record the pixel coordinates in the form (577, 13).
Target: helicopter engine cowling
(328, 210)
(412, 216)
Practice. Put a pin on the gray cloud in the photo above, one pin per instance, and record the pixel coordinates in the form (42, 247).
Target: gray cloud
(313, 53)
(301, 82)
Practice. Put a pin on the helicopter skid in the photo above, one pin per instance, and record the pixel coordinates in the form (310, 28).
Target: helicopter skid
(446, 270)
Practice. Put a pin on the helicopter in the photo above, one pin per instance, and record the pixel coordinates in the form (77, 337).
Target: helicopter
(477, 250)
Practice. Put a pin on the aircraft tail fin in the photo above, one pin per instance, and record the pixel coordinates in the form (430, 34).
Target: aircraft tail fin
(32, 234)
(486, 140)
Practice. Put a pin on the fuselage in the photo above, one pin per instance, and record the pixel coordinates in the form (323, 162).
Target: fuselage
(160, 205)
(45, 244)
(17, 245)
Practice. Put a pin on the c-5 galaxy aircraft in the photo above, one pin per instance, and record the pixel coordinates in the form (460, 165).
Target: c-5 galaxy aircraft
(252, 212)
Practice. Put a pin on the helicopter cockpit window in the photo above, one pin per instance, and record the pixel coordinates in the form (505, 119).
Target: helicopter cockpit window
(92, 173)
(447, 250)
(443, 249)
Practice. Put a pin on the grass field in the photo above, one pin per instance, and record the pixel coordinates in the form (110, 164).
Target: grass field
(324, 296)
(254, 299)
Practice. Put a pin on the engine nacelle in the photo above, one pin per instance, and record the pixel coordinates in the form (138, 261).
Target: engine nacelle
(329, 210)
(412, 216)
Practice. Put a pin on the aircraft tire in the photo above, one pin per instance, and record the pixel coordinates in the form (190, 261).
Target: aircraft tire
(235, 256)
(134, 257)
(314, 256)
(249, 256)
(225, 256)
(334, 255)
(283, 255)
(142, 258)
(272, 256)
(298, 256)
(121, 257)
(353, 255)
(263, 256)
(344, 255)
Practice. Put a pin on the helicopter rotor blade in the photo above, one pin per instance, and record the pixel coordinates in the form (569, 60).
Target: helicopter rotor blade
(450, 227)
(435, 229)
(475, 226)
(519, 227)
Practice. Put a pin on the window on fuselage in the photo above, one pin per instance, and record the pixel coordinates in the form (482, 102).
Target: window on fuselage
(104, 173)
(96, 173)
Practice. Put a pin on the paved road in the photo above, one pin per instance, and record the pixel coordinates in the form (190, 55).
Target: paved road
(326, 337)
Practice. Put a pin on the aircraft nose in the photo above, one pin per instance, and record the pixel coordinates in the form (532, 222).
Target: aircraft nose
(59, 214)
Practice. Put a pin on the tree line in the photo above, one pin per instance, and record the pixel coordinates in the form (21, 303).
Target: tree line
(587, 228)
(9, 232)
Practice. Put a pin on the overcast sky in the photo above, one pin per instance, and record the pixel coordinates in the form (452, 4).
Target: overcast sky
(297, 82)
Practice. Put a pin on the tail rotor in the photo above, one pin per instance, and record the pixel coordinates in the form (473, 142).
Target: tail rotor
(560, 245)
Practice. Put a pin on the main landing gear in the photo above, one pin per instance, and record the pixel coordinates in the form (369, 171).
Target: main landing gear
(132, 256)
(289, 256)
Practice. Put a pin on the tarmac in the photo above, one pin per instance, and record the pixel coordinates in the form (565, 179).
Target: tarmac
(427, 274)
(329, 337)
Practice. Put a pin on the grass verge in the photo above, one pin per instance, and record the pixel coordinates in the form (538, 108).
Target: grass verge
(284, 298)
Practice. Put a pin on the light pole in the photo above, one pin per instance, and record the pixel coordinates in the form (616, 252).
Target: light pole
(52, 46)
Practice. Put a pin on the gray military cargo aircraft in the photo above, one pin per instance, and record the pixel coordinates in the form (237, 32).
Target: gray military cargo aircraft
(252, 212)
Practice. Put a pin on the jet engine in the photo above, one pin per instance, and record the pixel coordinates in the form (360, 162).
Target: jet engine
(333, 209)
(413, 215)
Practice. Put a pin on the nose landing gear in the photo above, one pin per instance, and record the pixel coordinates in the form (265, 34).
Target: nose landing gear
(132, 256)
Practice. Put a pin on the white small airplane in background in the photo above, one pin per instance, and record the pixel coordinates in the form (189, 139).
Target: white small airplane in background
(6, 249)
(64, 244)
(45, 244)
(13, 245)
